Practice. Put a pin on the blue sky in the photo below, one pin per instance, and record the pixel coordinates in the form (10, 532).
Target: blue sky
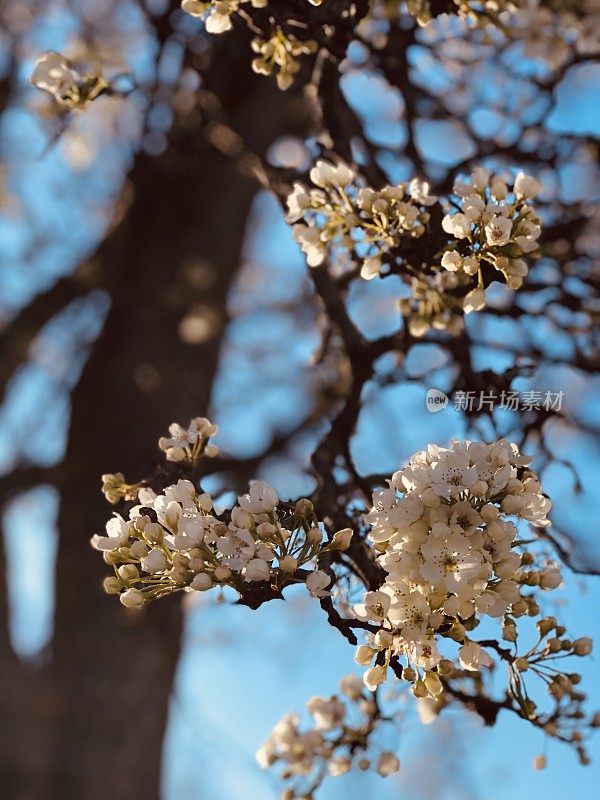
(241, 670)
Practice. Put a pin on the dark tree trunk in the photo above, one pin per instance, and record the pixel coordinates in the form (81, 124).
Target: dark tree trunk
(90, 725)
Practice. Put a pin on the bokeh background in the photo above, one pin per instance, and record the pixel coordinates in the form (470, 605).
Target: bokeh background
(63, 190)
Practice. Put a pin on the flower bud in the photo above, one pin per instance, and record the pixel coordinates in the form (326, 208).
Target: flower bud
(288, 564)
(222, 573)
(112, 585)
(364, 655)
(128, 572)
(304, 508)
(341, 540)
(582, 646)
(445, 667)
(545, 625)
(457, 632)
(433, 683)
(202, 582)
(519, 608)
(550, 579)
(383, 639)
(367, 707)
(583, 757)
(419, 689)
(509, 631)
(375, 676)
(132, 598)
(154, 561)
(409, 674)
(314, 536)
(533, 608)
(388, 764)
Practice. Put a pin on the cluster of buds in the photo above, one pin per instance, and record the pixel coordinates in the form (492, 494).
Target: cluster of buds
(115, 488)
(478, 13)
(217, 14)
(340, 738)
(554, 31)
(494, 231)
(55, 75)
(338, 212)
(279, 55)
(277, 51)
(174, 540)
(432, 304)
(189, 444)
(494, 226)
(566, 719)
(551, 30)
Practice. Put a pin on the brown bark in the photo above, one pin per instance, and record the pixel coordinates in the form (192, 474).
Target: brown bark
(90, 725)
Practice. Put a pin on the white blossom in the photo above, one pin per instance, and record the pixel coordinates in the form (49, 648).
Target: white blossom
(498, 231)
(261, 498)
(189, 443)
(257, 570)
(375, 606)
(132, 598)
(375, 676)
(155, 561)
(526, 186)
(447, 547)
(327, 714)
(317, 583)
(117, 535)
(53, 74)
(472, 657)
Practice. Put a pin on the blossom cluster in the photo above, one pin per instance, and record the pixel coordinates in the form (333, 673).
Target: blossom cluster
(555, 30)
(480, 12)
(174, 540)
(217, 14)
(488, 228)
(279, 55)
(445, 530)
(548, 27)
(340, 738)
(337, 211)
(54, 74)
(551, 30)
(189, 444)
(498, 227)
(277, 52)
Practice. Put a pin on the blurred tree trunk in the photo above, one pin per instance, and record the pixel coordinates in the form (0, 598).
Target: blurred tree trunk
(90, 724)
